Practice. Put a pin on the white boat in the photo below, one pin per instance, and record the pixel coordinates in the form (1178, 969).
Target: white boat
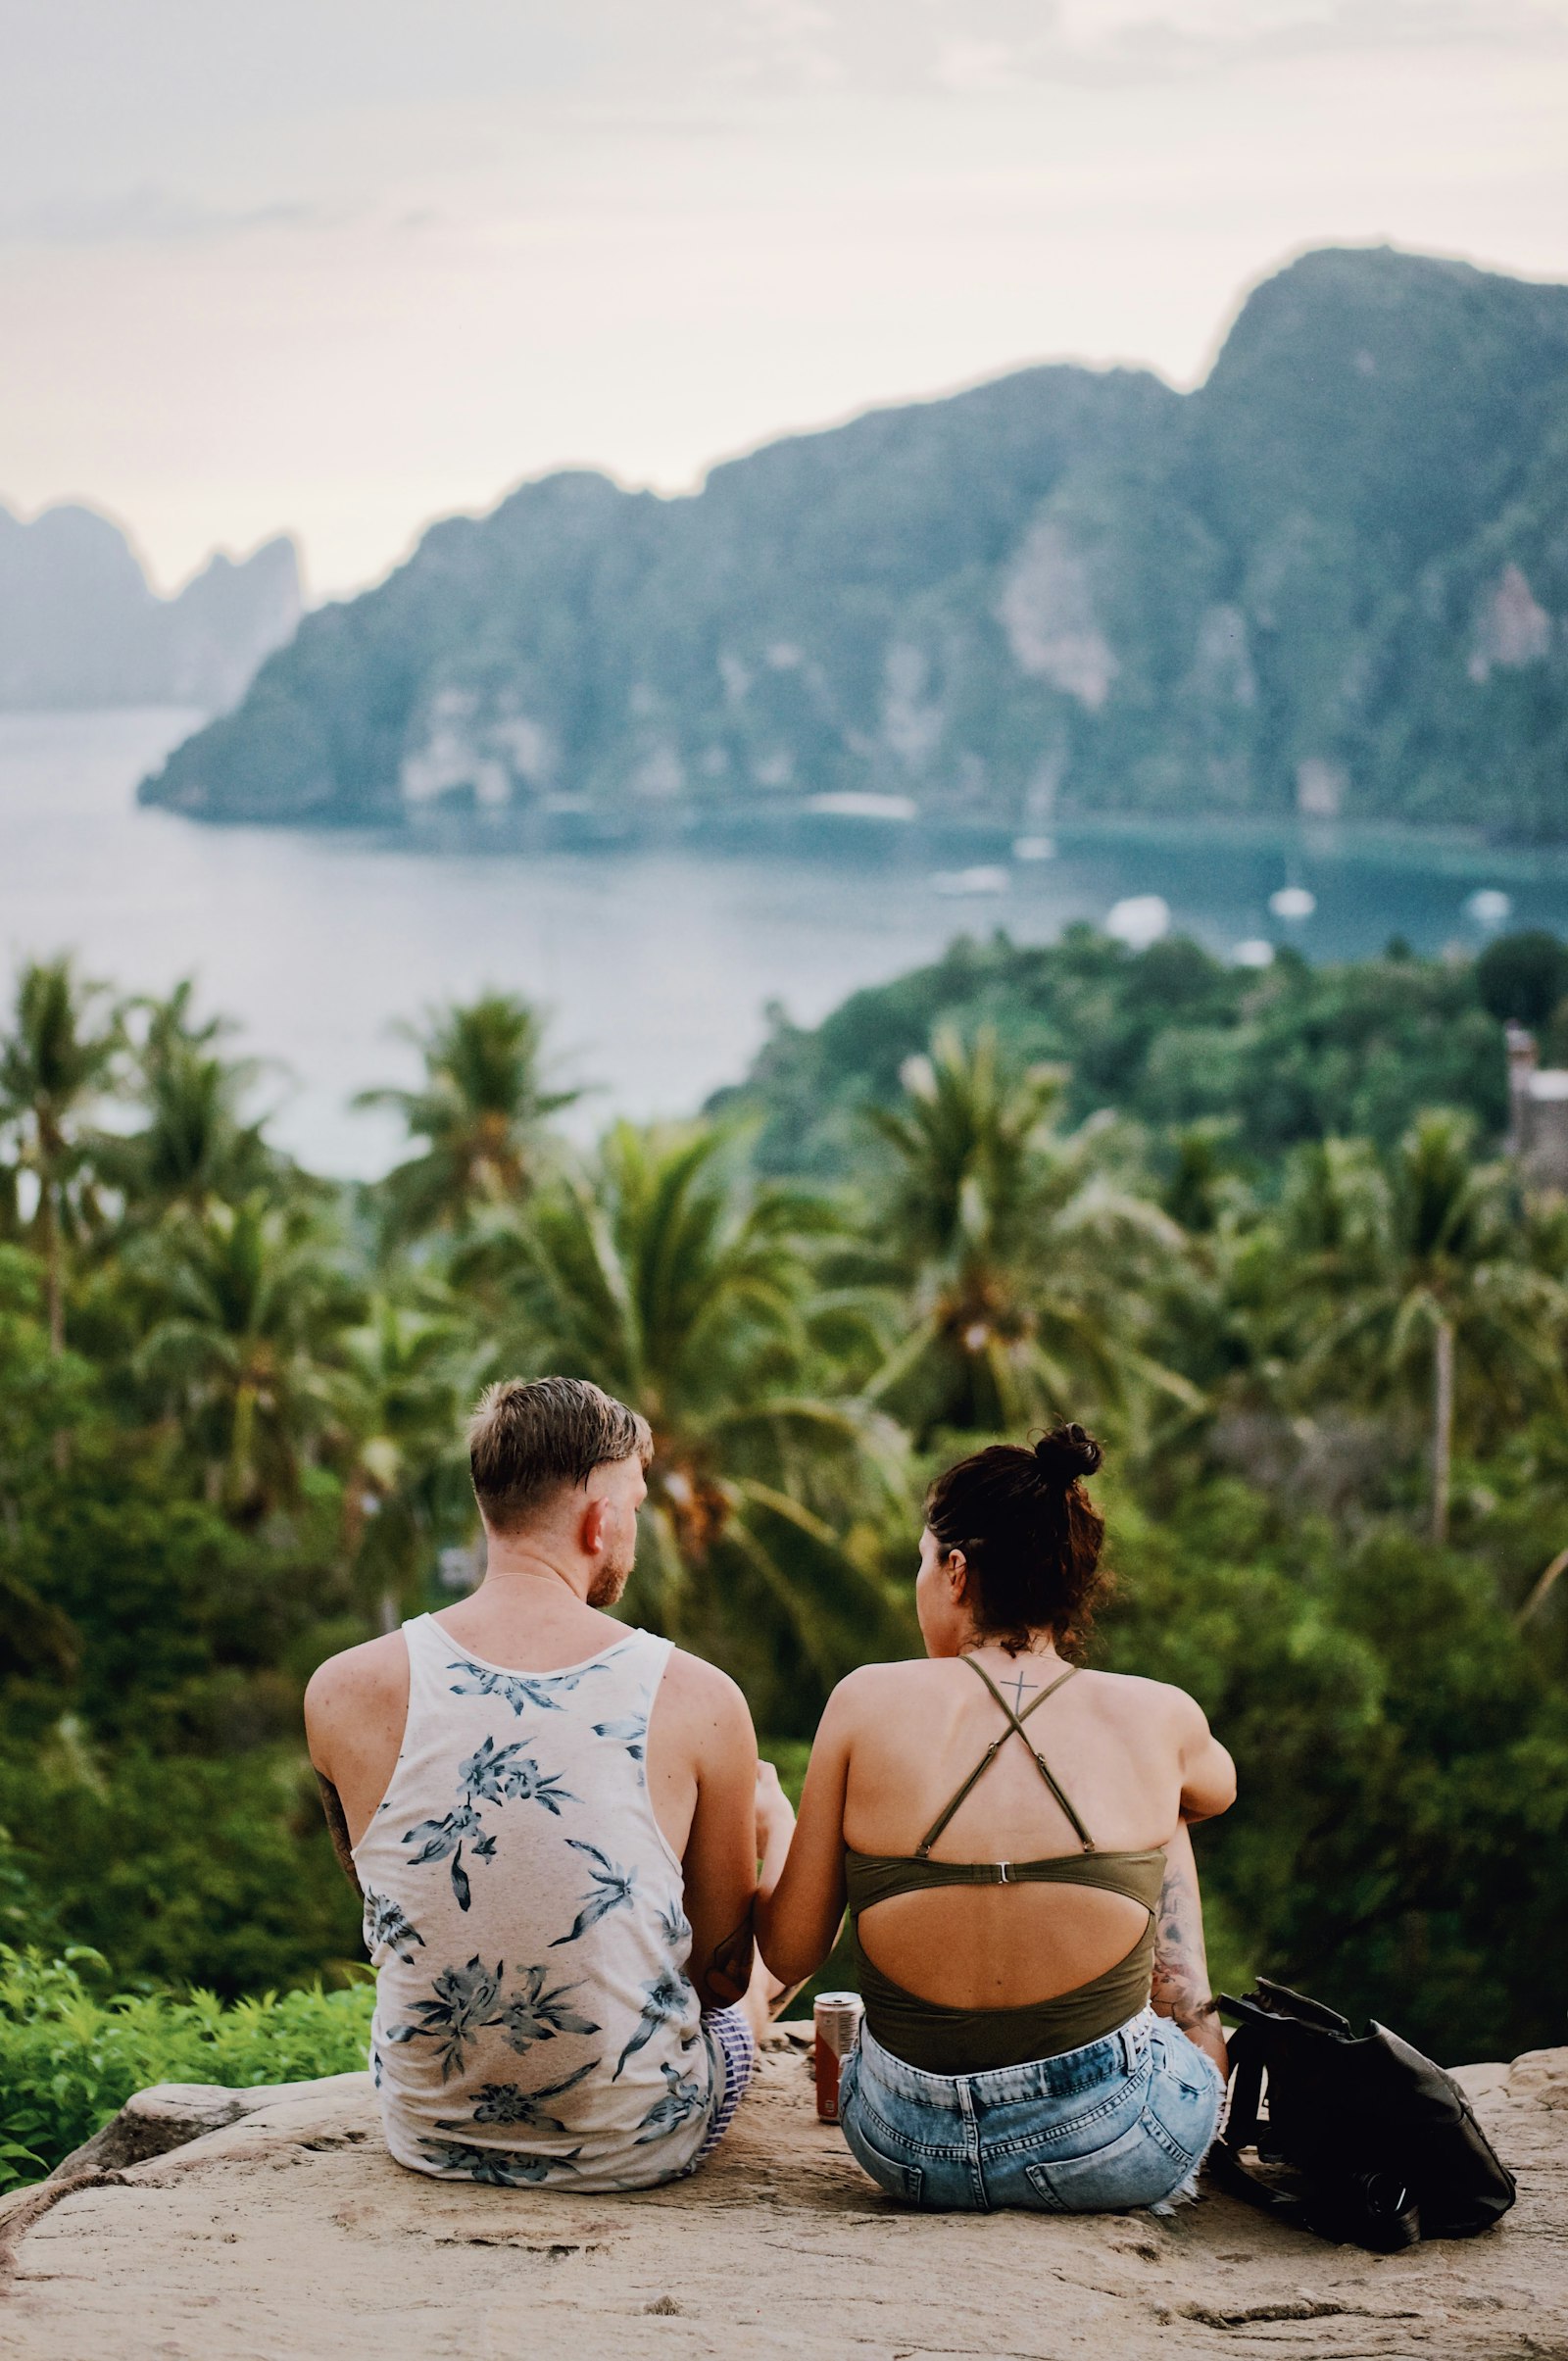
(1034, 848)
(894, 810)
(1487, 907)
(982, 881)
(1139, 920)
(1293, 901)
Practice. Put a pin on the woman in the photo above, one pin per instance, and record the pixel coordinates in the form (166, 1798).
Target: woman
(1019, 1873)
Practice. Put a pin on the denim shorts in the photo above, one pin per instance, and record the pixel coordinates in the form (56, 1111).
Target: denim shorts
(1123, 2122)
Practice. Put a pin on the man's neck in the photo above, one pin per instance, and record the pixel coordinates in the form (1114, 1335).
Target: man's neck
(527, 1611)
(514, 1569)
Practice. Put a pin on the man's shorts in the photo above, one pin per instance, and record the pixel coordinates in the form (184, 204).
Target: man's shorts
(733, 2048)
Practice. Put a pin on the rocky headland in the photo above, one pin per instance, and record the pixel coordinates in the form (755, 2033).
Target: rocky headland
(1330, 581)
(81, 626)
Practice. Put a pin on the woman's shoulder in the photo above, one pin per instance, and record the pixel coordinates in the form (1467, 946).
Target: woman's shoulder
(1134, 1695)
(870, 1687)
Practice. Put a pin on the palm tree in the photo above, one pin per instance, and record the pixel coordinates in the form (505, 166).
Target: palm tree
(248, 1307)
(195, 1148)
(1023, 1255)
(668, 1275)
(1434, 1278)
(57, 1059)
(481, 1111)
(399, 1397)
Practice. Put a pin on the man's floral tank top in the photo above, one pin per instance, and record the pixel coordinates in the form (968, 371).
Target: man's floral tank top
(524, 1911)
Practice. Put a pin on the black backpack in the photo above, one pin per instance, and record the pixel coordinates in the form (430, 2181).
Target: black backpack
(1383, 2145)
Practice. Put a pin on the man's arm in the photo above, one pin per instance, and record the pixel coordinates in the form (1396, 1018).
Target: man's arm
(1181, 1965)
(720, 1859)
(355, 1708)
(337, 1829)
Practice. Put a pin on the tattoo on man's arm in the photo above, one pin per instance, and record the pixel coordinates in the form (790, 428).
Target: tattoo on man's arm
(1181, 1971)
(339, 1830)
(729, 1971)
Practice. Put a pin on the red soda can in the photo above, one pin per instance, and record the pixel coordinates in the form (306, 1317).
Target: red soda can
(838, 2029)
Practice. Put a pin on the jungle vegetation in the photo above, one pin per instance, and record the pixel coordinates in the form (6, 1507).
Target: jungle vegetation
(1259, 1231)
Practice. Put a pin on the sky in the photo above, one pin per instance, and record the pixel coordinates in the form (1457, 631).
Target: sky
(337, 267)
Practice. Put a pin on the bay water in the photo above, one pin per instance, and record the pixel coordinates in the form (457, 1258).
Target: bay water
(657, 962)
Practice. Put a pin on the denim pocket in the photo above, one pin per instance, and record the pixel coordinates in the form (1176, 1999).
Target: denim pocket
(1139, 2167)
(904, 2181)
(1184, 2097)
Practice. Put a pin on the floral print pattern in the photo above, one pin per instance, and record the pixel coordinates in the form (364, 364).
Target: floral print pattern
(543, 1690)
(627, 2020)
(534, 2014)
(387, 1922)
(612, 1890)
(681, 2101)
(492, 1774)
(504, 2102)
(500, 2168)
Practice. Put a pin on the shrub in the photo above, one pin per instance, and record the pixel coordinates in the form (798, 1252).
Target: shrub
(181, 1871)
(70, 2058)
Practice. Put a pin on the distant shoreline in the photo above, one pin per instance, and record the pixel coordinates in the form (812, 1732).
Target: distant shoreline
(748, 822)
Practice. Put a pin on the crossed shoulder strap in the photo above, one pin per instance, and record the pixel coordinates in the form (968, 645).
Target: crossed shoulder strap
(1015, 1726)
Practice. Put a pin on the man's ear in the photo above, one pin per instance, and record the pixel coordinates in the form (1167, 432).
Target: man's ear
(591, 1527)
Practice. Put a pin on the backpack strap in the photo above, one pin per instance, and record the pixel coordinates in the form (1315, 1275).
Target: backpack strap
(1225, 2164)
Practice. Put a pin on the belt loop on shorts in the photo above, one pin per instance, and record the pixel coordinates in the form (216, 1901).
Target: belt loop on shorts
(1128, 2055)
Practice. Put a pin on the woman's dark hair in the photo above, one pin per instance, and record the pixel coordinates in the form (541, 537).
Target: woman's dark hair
(1030, 1535)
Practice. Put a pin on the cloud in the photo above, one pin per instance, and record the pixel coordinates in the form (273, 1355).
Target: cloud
(974, 47)
(1005, 44)
(147, 216)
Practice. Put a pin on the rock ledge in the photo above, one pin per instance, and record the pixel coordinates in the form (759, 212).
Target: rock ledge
(207, 2225)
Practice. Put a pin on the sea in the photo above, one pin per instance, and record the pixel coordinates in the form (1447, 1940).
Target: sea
(659, 963)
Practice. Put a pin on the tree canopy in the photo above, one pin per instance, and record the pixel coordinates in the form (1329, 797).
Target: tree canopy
(1259, 1231)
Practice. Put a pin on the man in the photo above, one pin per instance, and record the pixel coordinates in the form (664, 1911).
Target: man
(553, 1819)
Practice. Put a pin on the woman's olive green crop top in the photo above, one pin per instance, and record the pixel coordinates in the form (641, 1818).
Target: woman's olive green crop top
(972, 2040)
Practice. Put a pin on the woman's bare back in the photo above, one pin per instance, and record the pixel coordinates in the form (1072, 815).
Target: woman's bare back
(1121, 1749)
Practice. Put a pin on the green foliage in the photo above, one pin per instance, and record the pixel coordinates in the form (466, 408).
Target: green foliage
(70, 2056)
(481, 1112)
(1398, 1839)
(1255, 1226)
(665, 1273)
(1168, 1037)
(184, 1870)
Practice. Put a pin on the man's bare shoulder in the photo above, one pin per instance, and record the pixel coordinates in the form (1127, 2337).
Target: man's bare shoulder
(693, 1686)
(358, 1680)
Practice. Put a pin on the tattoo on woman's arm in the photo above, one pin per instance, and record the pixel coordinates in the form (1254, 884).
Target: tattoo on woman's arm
(729, 1971)
(1181, 1970)
(339, 1830)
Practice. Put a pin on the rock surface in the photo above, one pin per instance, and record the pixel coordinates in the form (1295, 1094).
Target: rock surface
(170, 2115)
(289, 2234)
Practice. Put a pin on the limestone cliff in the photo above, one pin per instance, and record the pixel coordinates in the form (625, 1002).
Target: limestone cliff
(81, 626)
(1333, 579)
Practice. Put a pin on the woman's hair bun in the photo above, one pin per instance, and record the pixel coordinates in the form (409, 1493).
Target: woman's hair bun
(1067, 1454)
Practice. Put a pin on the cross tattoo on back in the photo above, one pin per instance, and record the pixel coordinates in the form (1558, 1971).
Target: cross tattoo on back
(1019, 1686)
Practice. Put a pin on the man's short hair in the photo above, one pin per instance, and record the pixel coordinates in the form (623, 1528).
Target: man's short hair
(530, 1441)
